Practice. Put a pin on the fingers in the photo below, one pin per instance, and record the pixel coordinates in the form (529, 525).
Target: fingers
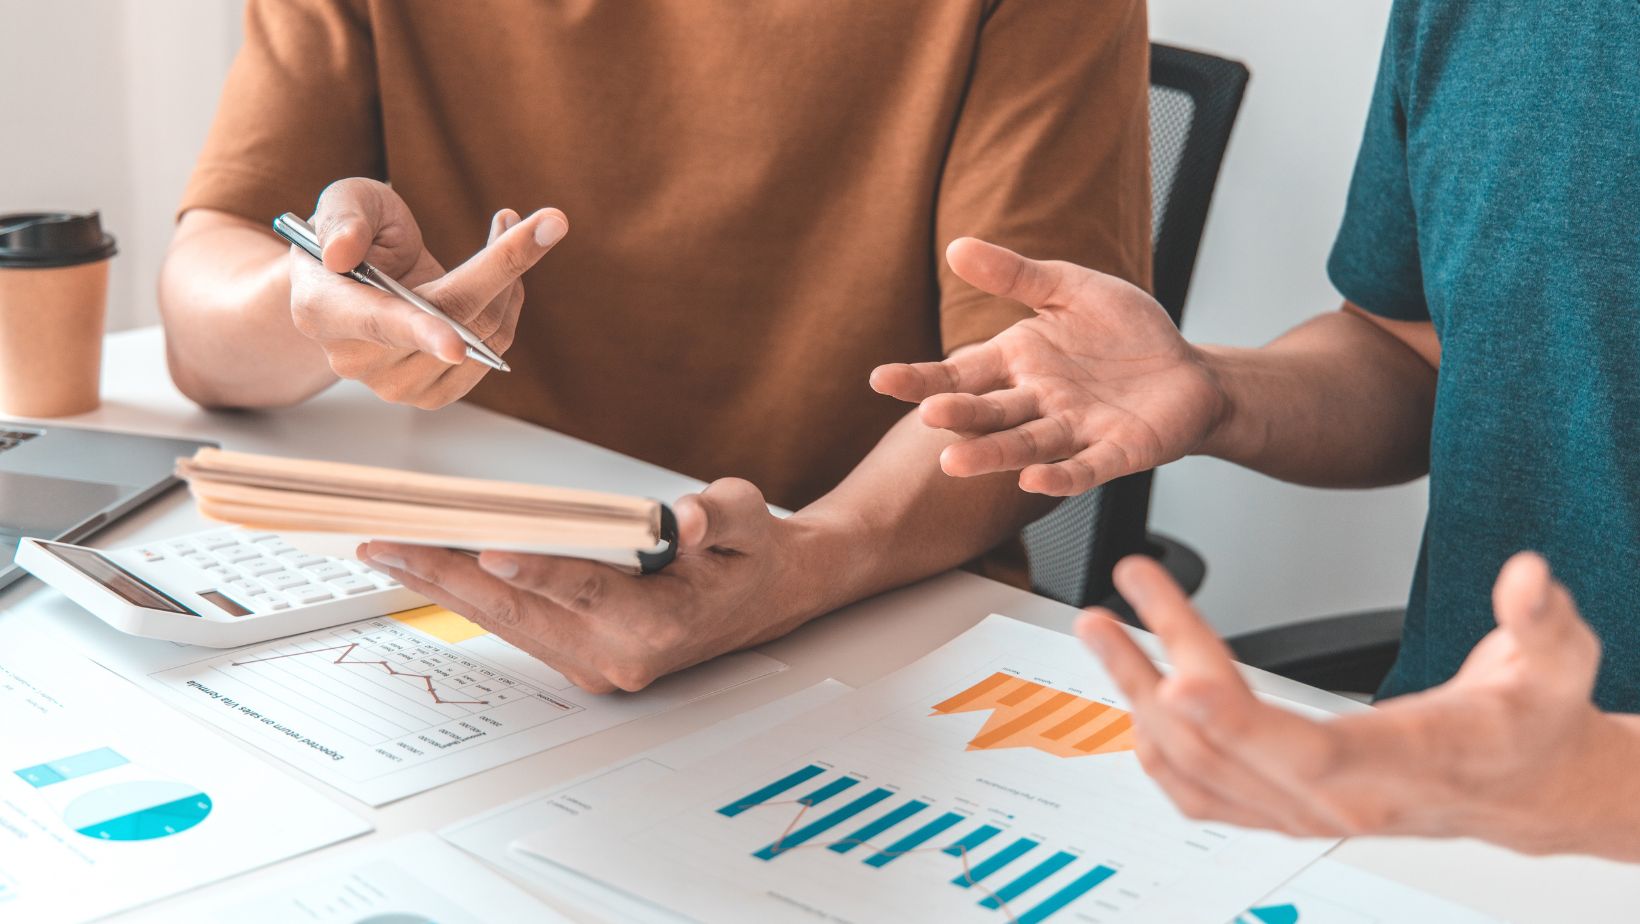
(1045, 439)
(1102, 462)
(1132, 670)
(973, 370)
(1192, 646)
(469, 288)
(1542, 615)
(1000, 271)
(579, 586)
(730, 514)
(964, 413)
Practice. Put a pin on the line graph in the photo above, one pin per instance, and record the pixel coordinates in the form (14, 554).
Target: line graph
(388, 686)
(426, 679)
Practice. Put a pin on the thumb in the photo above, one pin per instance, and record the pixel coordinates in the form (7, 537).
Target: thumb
(1540, 613)
(730, 514)
(1002, 272)
(346, 220)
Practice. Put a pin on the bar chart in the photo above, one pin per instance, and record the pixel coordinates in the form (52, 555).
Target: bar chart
(827, 810)
(1027, 714)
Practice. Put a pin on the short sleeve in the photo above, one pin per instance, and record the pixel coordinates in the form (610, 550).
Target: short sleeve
(1051, 151)
(299, 110)
(1375, 261)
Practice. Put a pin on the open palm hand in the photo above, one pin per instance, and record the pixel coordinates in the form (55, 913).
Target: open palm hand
(1099, 384)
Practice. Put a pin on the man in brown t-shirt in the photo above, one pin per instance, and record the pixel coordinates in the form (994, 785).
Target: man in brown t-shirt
(761, 195)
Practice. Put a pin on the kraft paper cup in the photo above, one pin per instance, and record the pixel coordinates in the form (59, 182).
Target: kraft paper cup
(53, 303)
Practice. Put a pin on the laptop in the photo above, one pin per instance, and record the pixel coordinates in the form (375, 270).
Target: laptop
(65, 483)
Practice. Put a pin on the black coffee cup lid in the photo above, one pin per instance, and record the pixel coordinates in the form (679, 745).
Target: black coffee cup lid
(46, 239)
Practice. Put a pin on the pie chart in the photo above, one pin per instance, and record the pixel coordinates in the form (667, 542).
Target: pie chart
(102, 795)
(138, 810)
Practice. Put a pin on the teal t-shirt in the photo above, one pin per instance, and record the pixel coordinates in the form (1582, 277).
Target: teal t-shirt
(1497, 194)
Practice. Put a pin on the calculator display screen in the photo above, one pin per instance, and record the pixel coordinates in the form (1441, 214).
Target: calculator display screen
(132, 589)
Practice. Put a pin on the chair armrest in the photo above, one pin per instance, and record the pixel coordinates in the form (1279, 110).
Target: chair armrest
(1350, 653)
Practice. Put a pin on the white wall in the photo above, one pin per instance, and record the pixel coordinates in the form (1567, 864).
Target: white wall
(109, 101)
(1276, 552)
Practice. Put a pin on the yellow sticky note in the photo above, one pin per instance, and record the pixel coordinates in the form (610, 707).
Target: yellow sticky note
(440, 623)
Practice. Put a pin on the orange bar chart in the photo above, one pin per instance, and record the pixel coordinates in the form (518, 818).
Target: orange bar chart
(1027, 714)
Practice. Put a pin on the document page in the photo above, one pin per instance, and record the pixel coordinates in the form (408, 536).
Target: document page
(991, 781)
(1336, 893)
(109, 799)
(392, 706)
(416, 879)
(490, 834)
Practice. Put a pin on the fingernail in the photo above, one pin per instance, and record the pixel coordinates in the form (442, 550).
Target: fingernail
(509, 220)
(550, 231)
(503, 568)
(387, 561)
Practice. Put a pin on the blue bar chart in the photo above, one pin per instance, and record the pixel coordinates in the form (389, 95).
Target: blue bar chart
(1005, 873)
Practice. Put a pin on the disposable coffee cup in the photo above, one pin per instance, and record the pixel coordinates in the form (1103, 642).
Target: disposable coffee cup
(53, 303)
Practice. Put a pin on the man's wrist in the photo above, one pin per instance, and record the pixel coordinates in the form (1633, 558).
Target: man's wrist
(823, 559)
(1234, 434)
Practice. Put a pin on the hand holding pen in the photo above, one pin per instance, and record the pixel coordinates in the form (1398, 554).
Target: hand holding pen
(405, 352)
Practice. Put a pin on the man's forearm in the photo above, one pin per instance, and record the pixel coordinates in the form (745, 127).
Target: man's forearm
(225, 296)
(898, 518)
(1337, 402)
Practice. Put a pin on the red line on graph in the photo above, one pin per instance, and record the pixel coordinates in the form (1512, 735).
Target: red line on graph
(962, 851)
(347, 649)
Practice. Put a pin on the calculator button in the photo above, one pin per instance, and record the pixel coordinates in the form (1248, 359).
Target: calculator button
(387, 583)
(200, 560)
(257, 567)
(233, 555)
(285, 580)
(302, 559)
(326, 570)
(213, 541)
(263, 603)
(352, 584)
(220, 572)
(151, 554)
(183, 547)
(263, 538)
(309, 593)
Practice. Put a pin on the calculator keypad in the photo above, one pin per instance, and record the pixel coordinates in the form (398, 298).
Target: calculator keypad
(264, 573)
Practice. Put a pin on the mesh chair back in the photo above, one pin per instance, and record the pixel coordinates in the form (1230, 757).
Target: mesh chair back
(1194, 99)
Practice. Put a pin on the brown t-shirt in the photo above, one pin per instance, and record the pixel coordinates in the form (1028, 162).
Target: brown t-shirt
(760, 193)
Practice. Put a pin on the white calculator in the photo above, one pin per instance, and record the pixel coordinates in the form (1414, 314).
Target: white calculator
(221, 588)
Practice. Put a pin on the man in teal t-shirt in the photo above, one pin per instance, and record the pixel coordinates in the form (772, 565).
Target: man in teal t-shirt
(1490, 262)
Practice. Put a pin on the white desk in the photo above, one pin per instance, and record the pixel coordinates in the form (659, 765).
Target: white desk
(855, 645)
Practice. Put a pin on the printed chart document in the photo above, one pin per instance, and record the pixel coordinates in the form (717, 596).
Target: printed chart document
(392, 706)
(416, 879)
(1336, 893)
(490, 834)
(991, 781)
(109, 799)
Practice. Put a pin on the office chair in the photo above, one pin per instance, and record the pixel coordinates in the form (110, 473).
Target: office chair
(1194, 99)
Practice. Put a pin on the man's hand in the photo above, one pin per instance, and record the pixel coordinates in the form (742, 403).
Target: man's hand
(1510, 750)
(1098, 385)
(405, 356)
(605, 629)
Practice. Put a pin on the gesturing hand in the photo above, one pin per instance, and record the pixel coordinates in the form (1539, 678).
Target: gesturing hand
(1097, 385)
(403, 355)
(1510, 750)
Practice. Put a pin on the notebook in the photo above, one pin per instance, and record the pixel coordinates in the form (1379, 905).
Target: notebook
(325, 506)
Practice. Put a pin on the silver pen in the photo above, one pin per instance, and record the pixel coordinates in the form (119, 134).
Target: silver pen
(298, 232)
